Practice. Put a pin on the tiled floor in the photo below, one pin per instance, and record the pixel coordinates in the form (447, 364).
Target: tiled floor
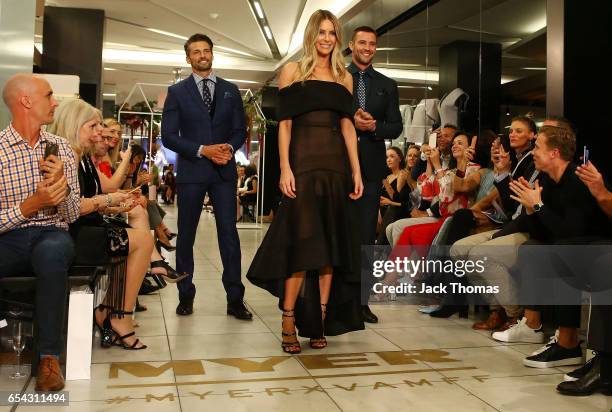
(208, 361)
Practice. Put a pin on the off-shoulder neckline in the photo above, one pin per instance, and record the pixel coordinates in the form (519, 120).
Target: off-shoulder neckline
(316, 80)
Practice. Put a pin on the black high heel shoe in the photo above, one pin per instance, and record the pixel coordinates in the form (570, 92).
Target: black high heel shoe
(147, 287)
(293, 347)
(320, 343)
(158, 279)
(446, 311)
(106, 333)
(166, 246)
(171, 275)
(118, 340)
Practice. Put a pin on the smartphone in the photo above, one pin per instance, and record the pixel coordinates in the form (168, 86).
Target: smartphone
(585, 156)
(433, 139)
(53, 149)
(133, 190)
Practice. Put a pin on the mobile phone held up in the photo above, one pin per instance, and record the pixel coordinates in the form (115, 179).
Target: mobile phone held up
(585, 156)
(51, 149)
(433, 140)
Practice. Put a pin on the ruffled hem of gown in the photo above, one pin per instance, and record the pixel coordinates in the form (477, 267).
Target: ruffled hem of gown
(315, 230)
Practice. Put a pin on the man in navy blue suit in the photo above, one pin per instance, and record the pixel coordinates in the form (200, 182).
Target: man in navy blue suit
(204, 123)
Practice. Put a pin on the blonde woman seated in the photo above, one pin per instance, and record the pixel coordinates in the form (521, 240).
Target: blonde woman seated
(81, 124)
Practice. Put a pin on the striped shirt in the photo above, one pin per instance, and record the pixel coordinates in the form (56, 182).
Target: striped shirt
(211, 84)
(20, 174)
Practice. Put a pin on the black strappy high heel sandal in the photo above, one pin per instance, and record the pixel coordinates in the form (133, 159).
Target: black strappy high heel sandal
(118, 340)
(106, 333)
(291, 348)
(320, 343)
(166, 246)
(171, 275)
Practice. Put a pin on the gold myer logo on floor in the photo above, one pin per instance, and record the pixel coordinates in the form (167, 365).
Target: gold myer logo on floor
(381, 366)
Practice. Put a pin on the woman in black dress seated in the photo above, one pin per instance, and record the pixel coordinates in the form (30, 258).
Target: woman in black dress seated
(81, 124)
(310, 256)
(395, 197)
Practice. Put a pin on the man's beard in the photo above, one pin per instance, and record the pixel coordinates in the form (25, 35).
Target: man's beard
(203, 66)
(364, 61)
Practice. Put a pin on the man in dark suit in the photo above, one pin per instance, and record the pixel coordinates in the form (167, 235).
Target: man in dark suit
(204, 122)
(377, 117)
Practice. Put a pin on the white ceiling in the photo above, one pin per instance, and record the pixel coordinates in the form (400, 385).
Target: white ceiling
(242, 53)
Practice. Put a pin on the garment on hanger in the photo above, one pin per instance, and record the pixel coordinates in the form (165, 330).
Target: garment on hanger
(449, 106)
(424, 116)
(406, 112)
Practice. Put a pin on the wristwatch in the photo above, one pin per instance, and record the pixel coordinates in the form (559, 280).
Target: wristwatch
(538, 206)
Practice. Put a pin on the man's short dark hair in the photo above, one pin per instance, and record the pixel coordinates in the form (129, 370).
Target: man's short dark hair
(365, 29)
(450, 126)
(197, 37)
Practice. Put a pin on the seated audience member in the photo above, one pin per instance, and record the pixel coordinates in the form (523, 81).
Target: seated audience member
(454, 186)
(559, 210)
(37, 202)
(99, 153)
(413, 154)
(425, 211)
(596, 374)
(522, 132)
(168, 186)
(395, 197)
(81, 124)
(240, 181)
(444, 136)
(247, 194)
(113, 128)
(149, 212)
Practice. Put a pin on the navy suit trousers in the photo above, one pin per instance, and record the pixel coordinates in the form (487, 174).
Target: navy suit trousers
(190, 197)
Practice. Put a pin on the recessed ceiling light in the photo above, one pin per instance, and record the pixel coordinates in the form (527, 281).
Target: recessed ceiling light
(110, 69)
(258, 9)
(214, 16)
(166, 33)
(234, 51)
(268, 32)
(109, 94)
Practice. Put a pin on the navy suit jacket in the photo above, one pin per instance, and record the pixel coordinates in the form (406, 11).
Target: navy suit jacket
(186, 125)
(382, 102)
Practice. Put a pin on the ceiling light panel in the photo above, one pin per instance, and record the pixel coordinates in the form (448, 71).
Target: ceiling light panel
(264, 26)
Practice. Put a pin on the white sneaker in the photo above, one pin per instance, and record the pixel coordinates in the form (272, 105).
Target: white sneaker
(520, 332)
(553, 339)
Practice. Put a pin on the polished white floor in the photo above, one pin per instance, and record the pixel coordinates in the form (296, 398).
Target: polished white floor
(211, 362)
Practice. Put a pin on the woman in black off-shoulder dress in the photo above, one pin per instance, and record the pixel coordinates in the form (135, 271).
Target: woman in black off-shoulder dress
(310, 255)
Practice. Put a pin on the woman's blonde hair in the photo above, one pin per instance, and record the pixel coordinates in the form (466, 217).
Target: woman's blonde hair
(70, 116)
(307, 63)
(113, 154)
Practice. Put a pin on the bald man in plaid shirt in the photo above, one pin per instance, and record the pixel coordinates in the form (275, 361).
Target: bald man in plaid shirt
(38, 199)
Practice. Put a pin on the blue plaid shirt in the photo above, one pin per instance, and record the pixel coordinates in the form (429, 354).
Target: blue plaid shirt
(20, 174)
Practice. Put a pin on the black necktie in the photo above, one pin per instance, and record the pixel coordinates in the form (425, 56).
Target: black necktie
(361, 91)
(206, 94)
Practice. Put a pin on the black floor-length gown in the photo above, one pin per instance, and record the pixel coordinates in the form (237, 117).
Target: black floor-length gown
(319, 227)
